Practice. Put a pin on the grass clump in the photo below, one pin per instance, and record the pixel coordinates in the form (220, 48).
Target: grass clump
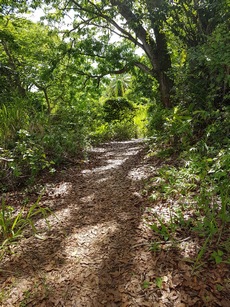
(14, 223)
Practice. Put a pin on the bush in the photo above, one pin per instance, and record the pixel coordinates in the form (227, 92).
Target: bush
(118, 109)
(68, 131)
(13, 117)
(23, 162)
(115, 130)
(173, 126)
(123, 130)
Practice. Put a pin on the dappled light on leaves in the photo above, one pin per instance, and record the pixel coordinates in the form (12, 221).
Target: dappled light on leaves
(112, 164)
(88, 199)
(62, 189)
(139, 173)
(85, 242)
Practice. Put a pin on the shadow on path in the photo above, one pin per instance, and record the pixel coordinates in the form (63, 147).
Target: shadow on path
(86, 257)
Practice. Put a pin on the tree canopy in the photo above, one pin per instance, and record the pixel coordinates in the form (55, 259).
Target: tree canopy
(147, 25)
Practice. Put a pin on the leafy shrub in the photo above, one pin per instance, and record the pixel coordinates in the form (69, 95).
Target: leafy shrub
(117, 109)
(31, 141)
(23, 162)
(140, 120)
(197, 184)
(116, 130)
(202, 82)
(156, 118)
(120, 120)
(13, 117)
(174, 126)
(67, 132)
(123, 130)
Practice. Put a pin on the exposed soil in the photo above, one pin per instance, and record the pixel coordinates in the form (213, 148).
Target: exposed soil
(97, 249)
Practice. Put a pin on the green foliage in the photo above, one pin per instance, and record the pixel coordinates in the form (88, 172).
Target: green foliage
(124, 118)
(194, 148)
(140, 120)
(182, 128)
(115, 130)
(162, 230)
(156, 118)
(196, 181)
(13, 117)
(42, 139)
(217, 256)
(123, 130)
(41, 94)
(202, 79)
(13, 224)
(146, 284)
(155, 247)
(118, 109)
(159, 282)
(173, 126)
(121, 119)
(51, 85)
(66, 132)
(118, 86)
(23, 162)
(29, 154)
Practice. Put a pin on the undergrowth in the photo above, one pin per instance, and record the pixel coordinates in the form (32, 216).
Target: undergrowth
(13, 223)
(192, 182)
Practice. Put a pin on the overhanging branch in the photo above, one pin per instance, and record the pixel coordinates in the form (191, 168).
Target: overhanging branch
(99, 13)
(144, 68)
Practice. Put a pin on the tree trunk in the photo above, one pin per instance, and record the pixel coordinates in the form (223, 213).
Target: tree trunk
(47, 100)
(163, 64)
(165, 86)
(155, 48)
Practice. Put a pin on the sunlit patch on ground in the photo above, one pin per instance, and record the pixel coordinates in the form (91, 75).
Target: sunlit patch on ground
(60, 189)
(97, 149)
(164, 217)
(166, 211)
(108, 154)
(115, 163)
(87, 199)
(53, 220)
(131, 152)
(134, 141)
(103, 179)
(139, 173)
(83, 242)
(189, 248)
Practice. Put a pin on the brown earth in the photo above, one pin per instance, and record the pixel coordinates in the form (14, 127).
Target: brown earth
(96, 251)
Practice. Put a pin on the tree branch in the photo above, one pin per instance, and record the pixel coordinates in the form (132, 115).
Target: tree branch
(149, 45)
(144, 68)
(101, 14)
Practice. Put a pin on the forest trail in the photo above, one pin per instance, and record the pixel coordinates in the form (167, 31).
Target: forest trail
(96, 251)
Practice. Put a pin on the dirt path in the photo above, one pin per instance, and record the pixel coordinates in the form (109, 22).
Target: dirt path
(86, 258)
(95, 252)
